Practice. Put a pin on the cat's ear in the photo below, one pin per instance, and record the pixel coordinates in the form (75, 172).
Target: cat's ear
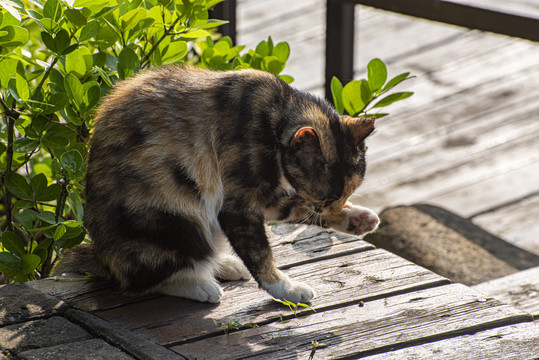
(360, 128)
(306, 139)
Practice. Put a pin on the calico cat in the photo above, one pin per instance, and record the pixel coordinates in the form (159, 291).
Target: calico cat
(185, 163)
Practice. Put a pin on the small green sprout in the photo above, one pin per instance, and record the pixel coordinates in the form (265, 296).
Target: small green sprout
(233, 325)
(294, 306)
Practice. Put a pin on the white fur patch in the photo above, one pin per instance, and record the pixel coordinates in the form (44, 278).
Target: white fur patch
(290, 290)
(197, 284)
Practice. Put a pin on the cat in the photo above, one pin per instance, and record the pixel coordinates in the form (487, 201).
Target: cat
(185, 166)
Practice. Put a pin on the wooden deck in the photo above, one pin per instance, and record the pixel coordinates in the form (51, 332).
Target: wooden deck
(467, 140)
(369, 302)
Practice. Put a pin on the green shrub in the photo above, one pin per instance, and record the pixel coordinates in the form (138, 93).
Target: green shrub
(58, 58)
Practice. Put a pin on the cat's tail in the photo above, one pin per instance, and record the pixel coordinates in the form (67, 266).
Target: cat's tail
(80, 260)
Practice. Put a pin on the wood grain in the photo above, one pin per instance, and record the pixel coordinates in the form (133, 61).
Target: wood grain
(343, 280)
(513, 342)
(355, 331)
(520, 290)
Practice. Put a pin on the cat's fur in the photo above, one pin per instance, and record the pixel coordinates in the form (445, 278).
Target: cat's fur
(185, 162)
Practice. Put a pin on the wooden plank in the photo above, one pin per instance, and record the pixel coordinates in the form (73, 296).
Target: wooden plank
(295, 244)
(520, 290)
(343, 280)
(501, 221)
(511, 183)
(356, 331)
(508, 342)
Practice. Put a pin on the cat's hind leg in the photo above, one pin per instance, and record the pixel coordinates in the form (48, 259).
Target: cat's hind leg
(196, 283)
(229, 265)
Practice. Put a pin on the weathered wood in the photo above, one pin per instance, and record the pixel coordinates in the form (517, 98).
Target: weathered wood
(520, 290)
(513, 221)
(356, 331)
(509, 342)
(343, 280)
(294, 244)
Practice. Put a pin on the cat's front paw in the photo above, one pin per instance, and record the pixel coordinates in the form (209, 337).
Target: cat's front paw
(361, 220)
(290, 290)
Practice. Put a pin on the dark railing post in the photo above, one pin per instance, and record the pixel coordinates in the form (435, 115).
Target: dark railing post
(339, 42)
(226, 10)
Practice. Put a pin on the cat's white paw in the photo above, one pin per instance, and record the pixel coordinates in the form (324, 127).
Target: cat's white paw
(361, 220)
(231, 268)
(207, 290)
(290, 290)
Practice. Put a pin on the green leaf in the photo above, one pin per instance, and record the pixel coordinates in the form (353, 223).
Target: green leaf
(42, 249)
(174, 52)
(55, 103)
(59, 232)
(11, 5)
(52, 10)
(392, 98)
(48, 217)
(76, 205)
(72, 161)
(194, 34)
(130, 19)
(92, 94)
(13, 36)
(281, 51)
(26, 218)
(395, 81)
(355, 96)
(128, 63)
(55, 141)
(287, 78)
(49, 41)
(377, 75)
(50, 193)
(24, 145)
(336, 91)
(62, 41)
(29, 263)
(75, 16)
(79, 62)
(273, 65)
(9, 261)
(8, 69)
(18, 186)
(74, 89)
(13, 243)
(39, 183)
(89, 30)
(22, 87)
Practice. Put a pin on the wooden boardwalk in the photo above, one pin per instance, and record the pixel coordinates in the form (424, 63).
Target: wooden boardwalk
(467, 140)
(369, 302)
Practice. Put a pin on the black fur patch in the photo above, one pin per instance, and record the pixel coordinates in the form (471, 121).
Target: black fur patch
(171, 231)
(182, 178)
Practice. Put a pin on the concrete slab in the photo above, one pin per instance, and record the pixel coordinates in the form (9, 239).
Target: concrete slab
(95, 349)
(22, 303)
(40, 333)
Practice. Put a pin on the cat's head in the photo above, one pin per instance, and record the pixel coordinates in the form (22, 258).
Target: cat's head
(325, 161)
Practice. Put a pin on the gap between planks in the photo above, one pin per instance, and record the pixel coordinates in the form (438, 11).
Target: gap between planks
(378, 326)
(342, 281)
